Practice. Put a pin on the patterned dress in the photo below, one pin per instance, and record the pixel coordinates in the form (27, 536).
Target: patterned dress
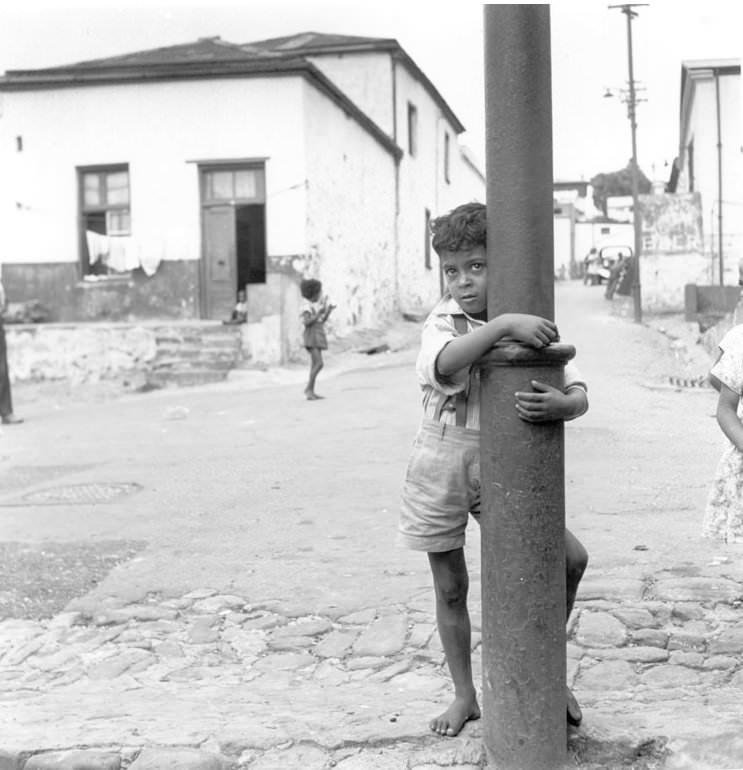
(723, 516)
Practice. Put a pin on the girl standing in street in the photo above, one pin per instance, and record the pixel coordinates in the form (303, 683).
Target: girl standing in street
(314, 311)
(723, 517)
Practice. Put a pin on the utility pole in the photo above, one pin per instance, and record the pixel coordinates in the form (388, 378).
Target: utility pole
(522, 464)
(632, 113)
(719, 178)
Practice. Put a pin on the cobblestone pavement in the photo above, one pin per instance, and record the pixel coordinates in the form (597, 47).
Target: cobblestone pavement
(310, 644)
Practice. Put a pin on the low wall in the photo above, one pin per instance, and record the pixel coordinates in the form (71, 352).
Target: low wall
(78, 353)
(664, 278)
(710, 300)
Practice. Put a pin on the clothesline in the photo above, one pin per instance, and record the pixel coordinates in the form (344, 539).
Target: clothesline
(122, 253)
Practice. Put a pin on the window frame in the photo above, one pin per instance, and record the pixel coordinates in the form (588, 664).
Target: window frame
(102, 170)
(207, 170)
(447, 157)
(412, 130)
(427, 242)
(690, 164)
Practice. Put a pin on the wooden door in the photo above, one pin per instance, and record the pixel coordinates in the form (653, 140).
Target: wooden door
(220, 268)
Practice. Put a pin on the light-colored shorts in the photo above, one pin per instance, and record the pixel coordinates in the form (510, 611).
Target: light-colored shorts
(442, 488)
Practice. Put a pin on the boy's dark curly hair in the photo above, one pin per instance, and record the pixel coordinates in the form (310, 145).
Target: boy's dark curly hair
(462, 229)
(310, 288)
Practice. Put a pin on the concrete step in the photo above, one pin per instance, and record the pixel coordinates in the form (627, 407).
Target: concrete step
(176, 364)
(189, 351)
(187, 378)
(195, 353)
(197, 339)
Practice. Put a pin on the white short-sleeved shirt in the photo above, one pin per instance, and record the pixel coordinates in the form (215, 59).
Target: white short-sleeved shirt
(438, 330)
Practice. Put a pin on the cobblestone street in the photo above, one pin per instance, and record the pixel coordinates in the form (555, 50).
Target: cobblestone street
(244, 605)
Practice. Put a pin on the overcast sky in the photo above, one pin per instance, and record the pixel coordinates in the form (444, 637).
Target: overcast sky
(589, 54)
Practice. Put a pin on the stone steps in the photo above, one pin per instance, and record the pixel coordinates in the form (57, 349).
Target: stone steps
(195, 354)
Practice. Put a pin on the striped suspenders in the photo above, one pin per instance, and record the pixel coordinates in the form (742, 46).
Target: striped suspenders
(458, 402)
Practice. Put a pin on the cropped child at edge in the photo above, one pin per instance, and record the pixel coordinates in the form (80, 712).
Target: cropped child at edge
(723, 515)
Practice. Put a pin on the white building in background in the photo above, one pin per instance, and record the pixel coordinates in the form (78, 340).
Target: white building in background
(156, 184)
(619, 208)
(578, 227)
(710, 158)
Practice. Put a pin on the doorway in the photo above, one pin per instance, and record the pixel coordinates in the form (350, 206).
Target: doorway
(233, 235)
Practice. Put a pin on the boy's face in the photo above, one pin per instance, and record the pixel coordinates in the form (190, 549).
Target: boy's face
(466, 276)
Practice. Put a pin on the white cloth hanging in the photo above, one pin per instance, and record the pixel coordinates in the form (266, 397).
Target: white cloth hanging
(98, 246)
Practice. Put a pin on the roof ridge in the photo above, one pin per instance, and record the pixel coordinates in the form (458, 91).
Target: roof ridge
(244, 47)
(312, 39)
(123, 58)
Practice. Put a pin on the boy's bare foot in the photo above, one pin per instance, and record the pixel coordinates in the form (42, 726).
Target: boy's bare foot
(575, 715)
(312, 396)
(453, 719)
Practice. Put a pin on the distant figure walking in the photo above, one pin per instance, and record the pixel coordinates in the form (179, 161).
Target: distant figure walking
(6, 404)
(315, 311)
(723, 516)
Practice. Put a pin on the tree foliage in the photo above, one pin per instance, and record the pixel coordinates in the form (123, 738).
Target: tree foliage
(613, 183)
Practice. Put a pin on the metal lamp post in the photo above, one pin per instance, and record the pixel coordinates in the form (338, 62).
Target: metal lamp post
(522, 464)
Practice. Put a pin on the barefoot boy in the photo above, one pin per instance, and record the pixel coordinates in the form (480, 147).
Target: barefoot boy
(442, 485)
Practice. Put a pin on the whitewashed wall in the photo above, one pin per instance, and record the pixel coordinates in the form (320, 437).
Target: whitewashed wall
(563, 246)
(590, 235)
(366, 78)
(350, 241)
(157, 129)
(423, 186)
(703, 131)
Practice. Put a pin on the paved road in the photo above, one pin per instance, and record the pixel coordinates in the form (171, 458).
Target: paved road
(220, 586)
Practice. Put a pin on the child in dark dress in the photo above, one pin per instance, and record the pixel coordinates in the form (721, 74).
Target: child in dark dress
(314, 312)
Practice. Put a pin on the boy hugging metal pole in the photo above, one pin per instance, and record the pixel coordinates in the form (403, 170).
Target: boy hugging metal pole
(522, 462)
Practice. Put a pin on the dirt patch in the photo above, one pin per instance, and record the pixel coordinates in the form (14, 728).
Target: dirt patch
(38, 580)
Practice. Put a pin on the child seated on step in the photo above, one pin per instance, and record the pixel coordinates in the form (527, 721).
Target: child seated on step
(240, 311)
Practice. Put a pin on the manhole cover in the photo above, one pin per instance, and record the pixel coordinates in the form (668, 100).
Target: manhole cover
(96, 492)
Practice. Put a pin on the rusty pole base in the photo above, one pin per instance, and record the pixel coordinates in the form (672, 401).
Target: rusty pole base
(523, 564)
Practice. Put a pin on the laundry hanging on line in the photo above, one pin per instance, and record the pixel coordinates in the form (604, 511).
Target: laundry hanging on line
(121, 253)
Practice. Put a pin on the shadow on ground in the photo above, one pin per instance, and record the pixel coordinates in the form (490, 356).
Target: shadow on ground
(587, 753)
